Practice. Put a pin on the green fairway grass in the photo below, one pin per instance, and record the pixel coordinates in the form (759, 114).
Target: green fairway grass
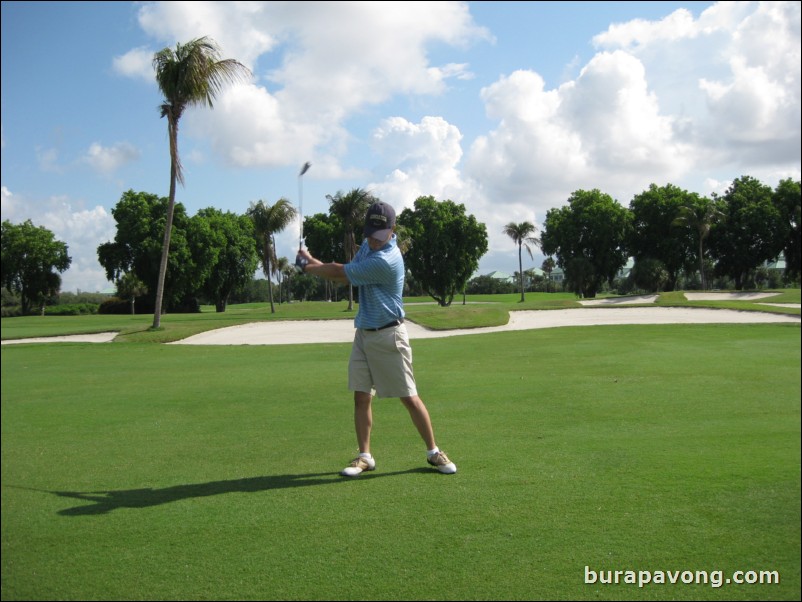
(134, 470)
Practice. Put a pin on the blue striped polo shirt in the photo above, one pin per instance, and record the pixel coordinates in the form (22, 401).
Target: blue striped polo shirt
(380, 278)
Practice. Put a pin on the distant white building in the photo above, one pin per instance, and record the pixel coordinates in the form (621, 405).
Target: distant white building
(500, 276)
(776, 265)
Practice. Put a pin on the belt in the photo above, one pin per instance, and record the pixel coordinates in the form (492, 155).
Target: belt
(392, 324)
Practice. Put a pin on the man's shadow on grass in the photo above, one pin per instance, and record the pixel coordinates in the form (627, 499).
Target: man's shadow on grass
(106, 501)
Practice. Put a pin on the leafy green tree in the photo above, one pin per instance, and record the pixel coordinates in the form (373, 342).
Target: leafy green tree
(656, 236)
(787, 200)
(752, 232)
(324, 235)
(190, 75)
(255, 291)
(650, 274)
(699, 214)
(32, 259)
(136, 248)
(487, 285)
(588, 237)
(522, 235)
(225, 246)
(304, 286)
(267, 220)
(350, 209)
(446, 246)
(9, 299)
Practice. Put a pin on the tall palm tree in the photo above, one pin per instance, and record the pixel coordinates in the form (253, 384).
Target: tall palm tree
(351, 209)
(267, 220)
(192, 74)
(523, 235)
(700, 217)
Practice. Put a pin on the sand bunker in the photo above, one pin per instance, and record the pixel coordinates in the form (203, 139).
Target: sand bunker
(342, 331)
(297, 332)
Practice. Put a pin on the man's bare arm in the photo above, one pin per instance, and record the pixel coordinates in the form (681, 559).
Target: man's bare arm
(330, 271)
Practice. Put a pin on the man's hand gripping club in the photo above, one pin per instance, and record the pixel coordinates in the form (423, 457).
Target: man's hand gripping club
(302, 260)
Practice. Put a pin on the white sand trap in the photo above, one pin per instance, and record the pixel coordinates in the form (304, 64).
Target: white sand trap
(342, 331)
(794, 305)
(738, 297)
(621, 300)
(745, 296)
(296, 332)
(100, 337)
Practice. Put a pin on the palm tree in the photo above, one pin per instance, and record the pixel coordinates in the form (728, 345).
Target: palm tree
(701, 218)
(548, 266)
(130, 287)
(282, 265)
(288, 270)
(351, 209)
(192, 74)
(522, 235)
(267, 220)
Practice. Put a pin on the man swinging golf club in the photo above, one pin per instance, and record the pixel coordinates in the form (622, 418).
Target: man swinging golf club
(381, 357)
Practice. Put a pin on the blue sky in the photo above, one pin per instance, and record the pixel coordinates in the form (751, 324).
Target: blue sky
(505, 107)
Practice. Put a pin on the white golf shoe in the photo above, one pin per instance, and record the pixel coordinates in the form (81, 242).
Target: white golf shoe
(441, 462)
(358, 465)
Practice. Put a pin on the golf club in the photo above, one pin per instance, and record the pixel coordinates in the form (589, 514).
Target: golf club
(304, 169)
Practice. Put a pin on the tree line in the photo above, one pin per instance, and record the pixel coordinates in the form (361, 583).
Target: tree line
(669, 231)
(215, 254)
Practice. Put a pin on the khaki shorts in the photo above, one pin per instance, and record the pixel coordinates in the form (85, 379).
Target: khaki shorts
(381, 363)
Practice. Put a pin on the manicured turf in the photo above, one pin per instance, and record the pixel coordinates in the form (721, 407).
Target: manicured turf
(145, 471)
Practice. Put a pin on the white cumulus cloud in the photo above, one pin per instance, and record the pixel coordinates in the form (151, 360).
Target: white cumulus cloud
(108, 159)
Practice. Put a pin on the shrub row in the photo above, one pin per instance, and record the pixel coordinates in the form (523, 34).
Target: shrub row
(66, 309)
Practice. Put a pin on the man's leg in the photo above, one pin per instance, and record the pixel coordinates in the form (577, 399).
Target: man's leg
(420, 418)
(363, 420)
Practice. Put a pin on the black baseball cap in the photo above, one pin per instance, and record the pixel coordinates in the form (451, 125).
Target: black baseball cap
(379, 220)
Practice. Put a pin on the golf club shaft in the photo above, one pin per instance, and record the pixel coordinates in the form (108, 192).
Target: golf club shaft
(304, 169)
(300, 213)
